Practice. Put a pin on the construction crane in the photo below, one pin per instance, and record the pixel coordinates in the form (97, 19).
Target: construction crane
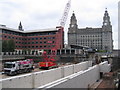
(65, 14)
(49, 62)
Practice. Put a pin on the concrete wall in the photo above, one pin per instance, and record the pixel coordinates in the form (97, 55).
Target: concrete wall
(33, 80)
(23, 81)
(68, 70)
(81, 66)
(44, 77)
(105, 67)
(81, 79)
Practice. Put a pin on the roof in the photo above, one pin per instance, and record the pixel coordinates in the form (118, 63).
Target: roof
(41, 30)
(11, 29)
(28, 31)
(79, 46)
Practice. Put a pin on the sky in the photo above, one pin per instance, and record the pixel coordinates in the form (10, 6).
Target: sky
(42, 14)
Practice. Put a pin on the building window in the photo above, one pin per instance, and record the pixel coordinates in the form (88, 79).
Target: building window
(44, 37)
(32, 46)
(40, 37)
(28, 42)
(28, 46)
(44, 41)
(41, 42)
(53, 46)
(44, 46)
(36, 38)
(32, 42)
(53, 37)
(32, 38)
(5, 36)
(36, 42)
(9, 37)
(36, 46)
(5, 31)
(40, 46)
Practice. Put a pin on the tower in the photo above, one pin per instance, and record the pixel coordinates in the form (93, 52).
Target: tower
(20, 27)
(73, 22)
(107, 41)
(72, 30)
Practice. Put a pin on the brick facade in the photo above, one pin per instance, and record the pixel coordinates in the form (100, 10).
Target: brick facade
(34, 39)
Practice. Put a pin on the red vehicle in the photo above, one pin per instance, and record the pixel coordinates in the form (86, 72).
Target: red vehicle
(48, 61)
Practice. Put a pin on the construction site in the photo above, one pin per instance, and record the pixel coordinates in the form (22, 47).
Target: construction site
(40, 60)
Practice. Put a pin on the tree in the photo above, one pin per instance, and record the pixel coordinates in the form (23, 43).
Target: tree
(11, 45)
(4, 46)
(0, 45)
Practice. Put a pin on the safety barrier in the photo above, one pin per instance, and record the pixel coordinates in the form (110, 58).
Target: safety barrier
(41, 78)
(105, 67)
(22, 81)
(82, 79)
(44, 77)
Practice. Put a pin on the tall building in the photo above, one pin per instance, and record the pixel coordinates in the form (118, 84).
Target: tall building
(41, 39)
(97, 38)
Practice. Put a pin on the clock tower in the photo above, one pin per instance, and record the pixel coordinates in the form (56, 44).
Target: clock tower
(73, 22)
(106, 19)
(72, 30)
(107, 33)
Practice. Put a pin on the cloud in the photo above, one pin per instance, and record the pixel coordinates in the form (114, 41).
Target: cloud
(37, 14)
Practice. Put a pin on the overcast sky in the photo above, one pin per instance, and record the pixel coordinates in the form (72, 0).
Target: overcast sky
(41, 14)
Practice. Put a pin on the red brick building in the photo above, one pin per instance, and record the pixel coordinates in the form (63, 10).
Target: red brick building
(34, 39)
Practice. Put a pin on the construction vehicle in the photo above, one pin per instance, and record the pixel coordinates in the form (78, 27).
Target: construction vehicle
(48, 61)
(17, 67)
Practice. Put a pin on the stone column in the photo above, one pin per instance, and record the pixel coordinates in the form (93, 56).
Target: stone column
(6, 53)
(65, 51)
(20, 52)
(60, 51)
(75, 51)
(70, 51)
(27, 52)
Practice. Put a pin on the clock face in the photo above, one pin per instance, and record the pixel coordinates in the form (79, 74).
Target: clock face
(72, 25)
(105, 23)
(106, 20)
